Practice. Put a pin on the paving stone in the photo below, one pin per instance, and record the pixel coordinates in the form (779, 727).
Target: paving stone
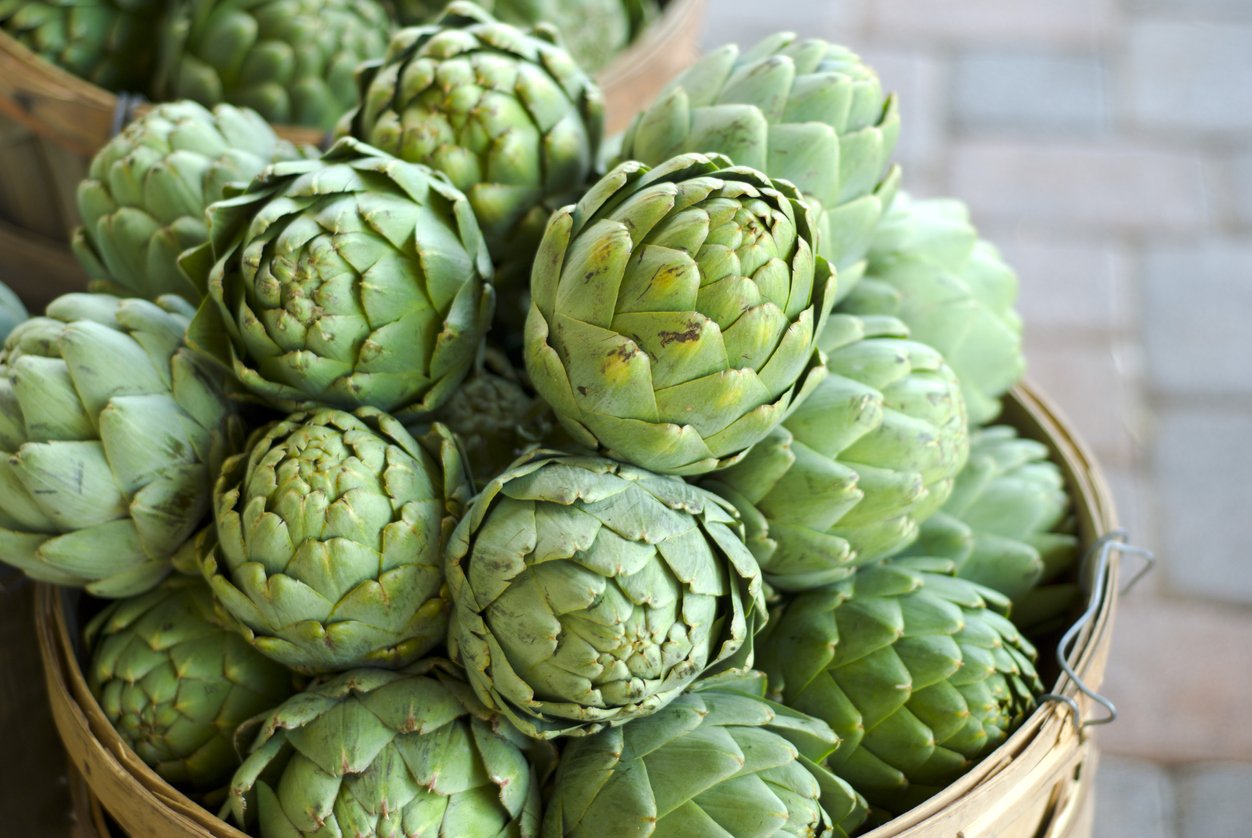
(998, 22)
(1132, 495)
(1195, 317)
(1220, 9)
(1027, 91)
(1133, 799)
(1201, 463)
(1215, 800)
(1068, 284)
(1179, 674)
(919, 80)
(1094, 382)
(1239, 182)
(1184, 77)
(1081, 186)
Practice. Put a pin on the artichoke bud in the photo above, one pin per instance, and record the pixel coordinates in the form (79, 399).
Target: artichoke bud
(356, 280)
(175, 683)
(928, 267)
(291, 61)
(110, 433)
(919, 673)
(373, 752)
(720, 759)
(676, 311)
(804, 110)
(854, 470)
(330, 530)
(1009, 525)
(144, 200)
(12, 311)
(110, 43)
(505, 113)
(587, 593)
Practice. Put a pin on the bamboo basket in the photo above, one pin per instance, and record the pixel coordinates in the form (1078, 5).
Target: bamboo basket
(1037, 785)
(52, 122)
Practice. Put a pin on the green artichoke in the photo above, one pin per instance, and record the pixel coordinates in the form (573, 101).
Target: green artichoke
(1009, 525)
(918, 672)
(587, 593)
(849, 476)
(176, 684)
(505, 113)
(292, 61)
(496, 418)
(719, 760)
(111, 43)
(143, 203)
(928, 267)
(676, 312)
(331, 530)
(382, 753)
(806, 111)
(594, 31)
(12, 311)
(354, 280)
(111, 431)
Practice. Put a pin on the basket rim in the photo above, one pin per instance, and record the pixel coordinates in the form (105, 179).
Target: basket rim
(78, 115)
(1050, 726)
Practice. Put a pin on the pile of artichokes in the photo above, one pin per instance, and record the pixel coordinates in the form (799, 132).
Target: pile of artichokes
(697, 524)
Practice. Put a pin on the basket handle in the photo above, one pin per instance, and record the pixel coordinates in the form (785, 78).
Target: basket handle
(1102, 551)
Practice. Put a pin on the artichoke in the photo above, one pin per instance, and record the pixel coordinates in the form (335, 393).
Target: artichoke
(928, 267)
(676, 312)
(918, 672)
(143, 202)
(587, 593)
(292, 61)
(382, 753)
(354, 280)
(594, 31)
(505, 113)
(111, 431)
(176, 684)
(806, 111)
(1009, 525)
(719, 760)
(111, 43)
(12, 311)
(850, 475)
(331, 529)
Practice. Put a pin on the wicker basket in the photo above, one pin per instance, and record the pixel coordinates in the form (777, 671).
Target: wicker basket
(52, 122)
(1037, 785)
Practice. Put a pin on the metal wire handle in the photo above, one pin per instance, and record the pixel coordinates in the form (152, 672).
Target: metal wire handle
(1102, 550)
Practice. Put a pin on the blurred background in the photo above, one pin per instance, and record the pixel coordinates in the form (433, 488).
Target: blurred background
(1106, 147)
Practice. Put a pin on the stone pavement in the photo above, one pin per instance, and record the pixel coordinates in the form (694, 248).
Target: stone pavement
(1106, 146)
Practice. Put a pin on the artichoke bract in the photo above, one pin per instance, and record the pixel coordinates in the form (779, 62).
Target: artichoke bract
(372, 752)
(354, 280)
(292, 61)
(111, 432)
(675, 313)
(928, 267)
(12, 311)
(111, 43)
(143, 202)
(331, 530)
(176, 684)
(505, 113)
(1009, 525)
(918, 672)
(587, 593)
(850, 475)
(804, 110)
(594, 31)
(720, 760)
